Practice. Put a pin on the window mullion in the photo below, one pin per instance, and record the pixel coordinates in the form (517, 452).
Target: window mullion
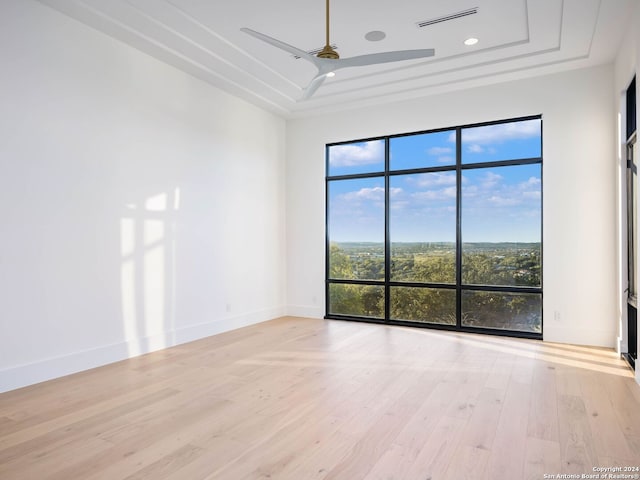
(458, 227)
(387, 237)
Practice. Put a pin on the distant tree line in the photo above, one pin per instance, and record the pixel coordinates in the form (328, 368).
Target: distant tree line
(499, 264)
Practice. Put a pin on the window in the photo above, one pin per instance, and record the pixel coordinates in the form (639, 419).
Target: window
(632, 225)
(440, 228)
(631, 108)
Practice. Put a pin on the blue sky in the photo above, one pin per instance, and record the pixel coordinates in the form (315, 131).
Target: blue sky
(498, 204)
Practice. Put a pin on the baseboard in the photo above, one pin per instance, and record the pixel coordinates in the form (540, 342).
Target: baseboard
(206, 329)
(50, 368)
(305, 311)
(580, 336)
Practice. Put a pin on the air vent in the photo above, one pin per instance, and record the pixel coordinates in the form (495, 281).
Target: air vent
(316, 51)
(446, 18)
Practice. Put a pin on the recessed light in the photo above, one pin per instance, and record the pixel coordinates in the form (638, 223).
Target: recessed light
(471, 41)
(331, 74)
(375, 36)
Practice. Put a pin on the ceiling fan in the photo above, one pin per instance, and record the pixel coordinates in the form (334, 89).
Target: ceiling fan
(328, 61)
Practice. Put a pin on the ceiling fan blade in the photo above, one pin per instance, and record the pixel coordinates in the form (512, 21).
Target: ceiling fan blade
(385, 57)
(281, 45)
(313, 86)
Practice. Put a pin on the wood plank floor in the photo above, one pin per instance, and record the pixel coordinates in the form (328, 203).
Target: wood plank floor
(313, 399)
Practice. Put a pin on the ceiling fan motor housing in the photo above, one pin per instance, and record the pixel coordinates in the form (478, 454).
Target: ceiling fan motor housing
(328, 52)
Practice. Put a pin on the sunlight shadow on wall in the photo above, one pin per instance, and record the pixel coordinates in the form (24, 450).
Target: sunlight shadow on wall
(147, 245)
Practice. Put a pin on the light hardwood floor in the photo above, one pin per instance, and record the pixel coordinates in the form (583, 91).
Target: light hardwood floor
(313, 399)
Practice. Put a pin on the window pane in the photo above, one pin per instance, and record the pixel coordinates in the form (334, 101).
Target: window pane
(506, 311)
(357, 157)
(501, 226)
(423, 227)
(425, 150)
(425, 305)
(356, 229)
(356, 261)
(356, 300)
(504, 141)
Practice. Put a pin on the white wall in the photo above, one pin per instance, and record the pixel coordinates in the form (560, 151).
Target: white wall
(580, 302)
(139, 207)
(625, 67)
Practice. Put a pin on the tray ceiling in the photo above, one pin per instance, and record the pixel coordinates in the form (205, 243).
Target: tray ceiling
(517, 38)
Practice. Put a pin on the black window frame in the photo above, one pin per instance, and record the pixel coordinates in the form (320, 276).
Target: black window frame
(458, 167)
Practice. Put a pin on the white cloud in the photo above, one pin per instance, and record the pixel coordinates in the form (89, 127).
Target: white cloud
(531, 182)
(436, 179)
(440, 194)
(502, 132)
(400, 204)
(490, 180)
(500, 201)
(494, 191)
(375, 194)
(469, 191)
(535, 195)
(351, 155)
(475, 148)
(449, 192)
(531, 189)
(446, 159)
(439, 150)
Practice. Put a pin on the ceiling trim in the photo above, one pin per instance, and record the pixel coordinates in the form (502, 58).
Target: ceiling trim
(542, 36)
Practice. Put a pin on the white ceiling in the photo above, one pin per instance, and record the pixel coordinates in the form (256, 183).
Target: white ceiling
(518, 38)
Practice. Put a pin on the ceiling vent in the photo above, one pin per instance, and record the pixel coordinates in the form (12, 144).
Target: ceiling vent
(446, 18)
(316, 51)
